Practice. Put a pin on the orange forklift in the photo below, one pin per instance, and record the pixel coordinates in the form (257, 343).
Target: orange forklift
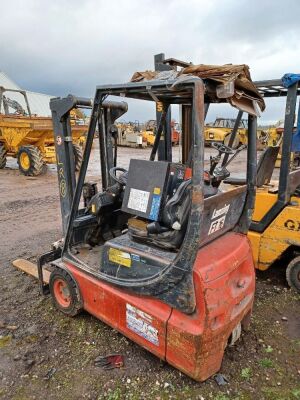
(160, 252)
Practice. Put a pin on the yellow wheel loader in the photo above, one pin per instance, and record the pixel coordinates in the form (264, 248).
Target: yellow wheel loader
(30, 139)
(220, 131)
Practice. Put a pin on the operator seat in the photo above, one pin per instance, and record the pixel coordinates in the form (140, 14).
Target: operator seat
(265, 168)
(170, 231)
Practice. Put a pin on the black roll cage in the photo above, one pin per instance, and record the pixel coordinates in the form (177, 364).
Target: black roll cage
(174, 284)
(22, 92)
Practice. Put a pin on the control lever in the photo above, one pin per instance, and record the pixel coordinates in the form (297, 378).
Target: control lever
(238, 150)
(221, 173)
(222, 149)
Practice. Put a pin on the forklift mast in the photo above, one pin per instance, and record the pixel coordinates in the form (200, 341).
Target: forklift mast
(60, 109)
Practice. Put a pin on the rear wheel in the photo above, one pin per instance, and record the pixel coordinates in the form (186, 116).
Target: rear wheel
(77, 156)
(64, 292)
(2, 156)
(293, 274)
(30, 161)
(236, 141)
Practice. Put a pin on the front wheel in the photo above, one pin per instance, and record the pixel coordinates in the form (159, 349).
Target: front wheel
(64, 292)
(293, 274)
(30, 161)
(2, 156)
(77, 150)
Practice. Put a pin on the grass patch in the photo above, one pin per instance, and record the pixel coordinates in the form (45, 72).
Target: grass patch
(266, 363)
(281, 394)
(5, 341)
(115, 395)
(246, 373)
(269, 349)
(296, 393)
(222, 396)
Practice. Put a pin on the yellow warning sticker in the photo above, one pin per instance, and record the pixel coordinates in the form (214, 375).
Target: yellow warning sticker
(156, 190)
(119, 257)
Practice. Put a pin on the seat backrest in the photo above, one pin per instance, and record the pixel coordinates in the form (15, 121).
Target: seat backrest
(266, 165)
(265, 168)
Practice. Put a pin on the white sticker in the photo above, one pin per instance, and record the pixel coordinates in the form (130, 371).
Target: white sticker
(223, 210)
(216, 225)
(141, 323)
(138, 200)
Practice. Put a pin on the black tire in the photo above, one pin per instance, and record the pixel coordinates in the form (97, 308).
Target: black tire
(293, 274)
(73, 306)
(78, 155)
(2, 156)
(236, 141)
(36, 163)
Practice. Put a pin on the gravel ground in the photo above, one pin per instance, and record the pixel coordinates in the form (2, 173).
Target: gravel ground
(45, 355)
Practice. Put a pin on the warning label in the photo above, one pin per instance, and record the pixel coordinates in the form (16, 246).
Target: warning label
(155, 207)
(141, 323)
(138, 200)
(119, 257)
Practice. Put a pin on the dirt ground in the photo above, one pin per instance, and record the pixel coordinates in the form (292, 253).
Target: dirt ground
(45, 355)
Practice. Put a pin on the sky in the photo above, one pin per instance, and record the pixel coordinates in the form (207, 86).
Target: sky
(60, 47)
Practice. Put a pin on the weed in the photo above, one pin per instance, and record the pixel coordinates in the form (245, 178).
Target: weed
(269, 349)
(222, 396)
(296, 393)
(115, 395)
(266, 363)
(246, 373)
(5, 340)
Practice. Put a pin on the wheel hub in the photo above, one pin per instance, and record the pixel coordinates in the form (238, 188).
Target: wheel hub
(24, 161)
(62, 293)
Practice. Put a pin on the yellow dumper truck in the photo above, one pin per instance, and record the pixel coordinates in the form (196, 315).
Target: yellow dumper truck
(30, 138)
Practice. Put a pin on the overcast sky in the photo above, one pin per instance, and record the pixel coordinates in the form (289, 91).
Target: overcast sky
(60, 47)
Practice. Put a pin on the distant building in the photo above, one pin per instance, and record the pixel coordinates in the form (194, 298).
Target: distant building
(38, 102)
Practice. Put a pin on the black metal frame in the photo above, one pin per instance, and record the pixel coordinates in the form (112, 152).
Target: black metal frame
(275, 88)
(164, 142)
(174, 283)
(60, 109)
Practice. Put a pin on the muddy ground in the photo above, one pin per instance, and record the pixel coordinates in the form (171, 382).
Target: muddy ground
(45, 355)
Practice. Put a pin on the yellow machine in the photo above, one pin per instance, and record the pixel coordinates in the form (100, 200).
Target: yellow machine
(281, 236)
(274, 134)
(30, 139)
(130, 135)
(220, 131)
(149, 137)
(275, 228)
(149, 132)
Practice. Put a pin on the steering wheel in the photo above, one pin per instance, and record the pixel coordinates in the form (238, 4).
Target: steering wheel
(222, 148)
(122, 179)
